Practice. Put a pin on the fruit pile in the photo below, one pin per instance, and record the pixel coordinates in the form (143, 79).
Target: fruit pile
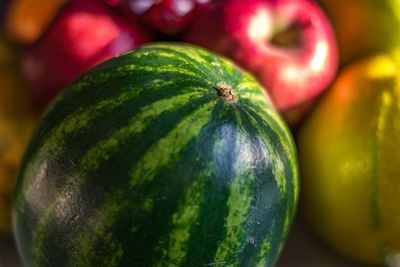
(163, 137)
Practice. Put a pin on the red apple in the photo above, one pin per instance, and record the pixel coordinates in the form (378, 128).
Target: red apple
(85, 33)
(288, 45)
(169, 17)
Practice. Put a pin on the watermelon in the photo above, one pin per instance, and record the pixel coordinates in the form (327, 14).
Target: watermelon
(164, 156)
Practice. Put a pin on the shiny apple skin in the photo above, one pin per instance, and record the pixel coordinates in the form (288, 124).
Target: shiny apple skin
(169, 17)
(243, 31)
(166, 16)
(85, 33)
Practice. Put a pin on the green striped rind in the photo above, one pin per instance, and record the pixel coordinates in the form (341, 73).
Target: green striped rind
(141, 163)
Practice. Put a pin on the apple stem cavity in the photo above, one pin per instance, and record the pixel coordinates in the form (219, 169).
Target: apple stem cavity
(291, 37)
(226, 92)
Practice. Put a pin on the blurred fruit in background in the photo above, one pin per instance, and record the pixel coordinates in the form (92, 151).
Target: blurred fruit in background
(84, 33)
(364, 26)
(17, 119)
(26, 20)
(166, 16)
(350, 161)
(288, 45)
(3, 9)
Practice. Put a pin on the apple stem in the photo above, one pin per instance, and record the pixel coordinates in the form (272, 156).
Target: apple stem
(226, 92)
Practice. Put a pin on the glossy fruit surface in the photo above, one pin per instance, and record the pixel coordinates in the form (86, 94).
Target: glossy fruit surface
(166, 16)
(17, 119)
(350, 162)
(364, 26)
(288, 45)
(165, 156)
(85, 33)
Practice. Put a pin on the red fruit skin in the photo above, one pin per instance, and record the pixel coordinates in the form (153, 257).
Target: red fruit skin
(85, 33)
(113, 2)
(169, 17)
(243, 30)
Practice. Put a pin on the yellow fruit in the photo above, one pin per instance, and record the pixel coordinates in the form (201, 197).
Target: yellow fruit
(28, 19)
(17, 120)
(349, 151)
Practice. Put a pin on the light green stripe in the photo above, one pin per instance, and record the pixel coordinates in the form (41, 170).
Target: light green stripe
(89, 81)
(271, 118)
(283, 134)
(98, 230)
(280, 179)
(77, 121)
(184, 132)
(137, 124)
(218, 69)
(278, 167)
(248, 84)
(81, 118)
(162, 69)
(182, 221)
(227, 67)
(91, 160)
(239, 201)
(170, 54)
(259, 99)
(202, 115)
(133, 66)
(189, 52)
(279, 174)
(264, 250)
(167, 149)
(385, 106)
(62, 210)
(288, 146)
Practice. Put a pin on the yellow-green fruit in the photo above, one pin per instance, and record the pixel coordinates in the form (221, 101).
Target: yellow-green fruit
(349, 152)
(364, 26)
(17, 119)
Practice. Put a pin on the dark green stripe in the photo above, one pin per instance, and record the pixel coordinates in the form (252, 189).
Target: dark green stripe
(102, 150)
(171, 166)
(181, 60)
(266, 209)
(214, 69)
(152, 224)
(210, 229)
(97, 89)
(239, 200)
(103, 174)
(66, 133)
(283, 146)
(286, 141)
(182, 221)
